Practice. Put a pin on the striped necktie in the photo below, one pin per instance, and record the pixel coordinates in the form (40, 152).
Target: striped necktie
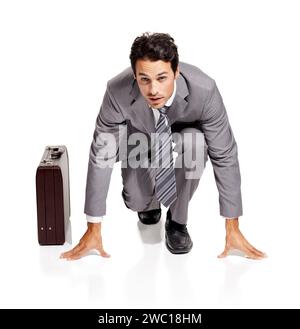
(165, 183)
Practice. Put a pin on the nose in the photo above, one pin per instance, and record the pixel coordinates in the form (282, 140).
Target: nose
(153, 89)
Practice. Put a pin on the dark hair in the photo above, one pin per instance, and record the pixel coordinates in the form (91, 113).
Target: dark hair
(154, 46)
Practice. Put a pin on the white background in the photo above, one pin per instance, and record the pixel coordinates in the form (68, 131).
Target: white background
(55, 60)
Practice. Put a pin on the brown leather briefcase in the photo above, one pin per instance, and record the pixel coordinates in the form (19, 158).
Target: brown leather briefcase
(53, 196)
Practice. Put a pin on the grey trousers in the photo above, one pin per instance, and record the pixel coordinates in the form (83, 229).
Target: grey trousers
(139, 183)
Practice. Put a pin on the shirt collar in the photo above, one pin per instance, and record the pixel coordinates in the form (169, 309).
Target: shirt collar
(170, 100)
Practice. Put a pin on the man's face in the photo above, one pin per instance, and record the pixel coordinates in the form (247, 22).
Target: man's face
(155, 80)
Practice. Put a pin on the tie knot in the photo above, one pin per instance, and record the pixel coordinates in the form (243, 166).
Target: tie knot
(163, 110)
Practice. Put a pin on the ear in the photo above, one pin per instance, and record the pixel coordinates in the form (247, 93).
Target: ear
(133, 73)
(177, 72)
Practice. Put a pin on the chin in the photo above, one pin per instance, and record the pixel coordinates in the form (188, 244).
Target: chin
(158, 106)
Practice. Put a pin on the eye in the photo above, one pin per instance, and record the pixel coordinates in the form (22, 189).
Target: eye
(144, 79)
(161, 78)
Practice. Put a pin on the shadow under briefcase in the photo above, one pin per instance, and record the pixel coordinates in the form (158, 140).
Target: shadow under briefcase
(53, 197)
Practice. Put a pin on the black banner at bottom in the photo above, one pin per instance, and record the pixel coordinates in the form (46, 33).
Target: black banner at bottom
(142, 318)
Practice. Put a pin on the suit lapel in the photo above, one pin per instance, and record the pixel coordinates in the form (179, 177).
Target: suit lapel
(142, 114)
(176, 110)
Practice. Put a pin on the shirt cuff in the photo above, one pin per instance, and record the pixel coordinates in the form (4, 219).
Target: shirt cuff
(229, 217)
(92, 219)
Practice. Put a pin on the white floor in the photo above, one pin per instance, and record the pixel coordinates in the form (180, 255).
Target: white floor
(141, 272)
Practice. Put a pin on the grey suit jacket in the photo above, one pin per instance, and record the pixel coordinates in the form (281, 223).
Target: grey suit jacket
(197, 103)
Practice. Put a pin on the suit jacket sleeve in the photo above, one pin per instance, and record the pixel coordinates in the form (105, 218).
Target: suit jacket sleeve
(109, 130)
(223, 153)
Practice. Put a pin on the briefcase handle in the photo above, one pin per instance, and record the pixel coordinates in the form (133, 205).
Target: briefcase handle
(55, 152)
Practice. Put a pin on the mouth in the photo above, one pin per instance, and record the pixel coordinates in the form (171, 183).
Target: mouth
(155, 99)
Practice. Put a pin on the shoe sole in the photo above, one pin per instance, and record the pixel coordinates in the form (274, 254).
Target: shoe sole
(148, 222)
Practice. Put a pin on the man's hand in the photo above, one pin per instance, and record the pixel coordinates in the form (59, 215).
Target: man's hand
(236, 241)
(91, 240)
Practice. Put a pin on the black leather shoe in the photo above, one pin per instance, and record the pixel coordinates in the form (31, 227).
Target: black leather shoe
(178, 240)
(150, 217)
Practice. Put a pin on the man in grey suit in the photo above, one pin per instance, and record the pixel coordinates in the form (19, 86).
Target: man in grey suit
(180, 106)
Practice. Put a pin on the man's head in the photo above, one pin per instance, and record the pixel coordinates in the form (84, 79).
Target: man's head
(154, 61)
